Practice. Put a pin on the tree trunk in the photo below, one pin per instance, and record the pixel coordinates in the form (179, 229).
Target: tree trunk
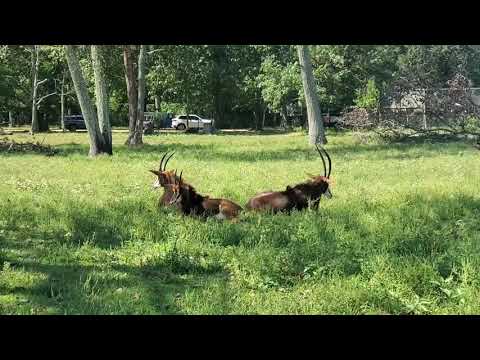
(97, 145)
(132, 93)
(137, 139)
(263, 117)
(62, 103)
(424, 108)
(101, 96)
(10, 119)
(284, 116)
(157, 103)
(35, 64)
(316, 130)
(43, 124)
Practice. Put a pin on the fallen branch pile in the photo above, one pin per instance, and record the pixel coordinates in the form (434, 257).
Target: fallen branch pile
(10, 146)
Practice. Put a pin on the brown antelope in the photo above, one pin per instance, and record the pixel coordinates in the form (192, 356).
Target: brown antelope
(192, 203)
(163, 179)
(297, 197)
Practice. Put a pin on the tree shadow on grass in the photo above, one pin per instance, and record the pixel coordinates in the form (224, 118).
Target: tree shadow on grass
(72, 285)
(76, 288)
(252, 132)
(105, 227)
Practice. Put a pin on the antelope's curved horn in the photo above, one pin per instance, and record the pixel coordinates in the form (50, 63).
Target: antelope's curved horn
(323, 161)
(180, 181)
(166, 161)
(161, 161)
(329, 163)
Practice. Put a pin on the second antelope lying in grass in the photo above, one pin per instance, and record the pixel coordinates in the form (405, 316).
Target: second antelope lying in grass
(192, 203)
(297, 197)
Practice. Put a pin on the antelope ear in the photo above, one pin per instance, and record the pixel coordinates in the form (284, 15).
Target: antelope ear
(155, 172)
(310, 175)
(289, 187)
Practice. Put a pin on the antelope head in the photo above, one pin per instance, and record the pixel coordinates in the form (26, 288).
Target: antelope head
(164, 177)
(324, 180)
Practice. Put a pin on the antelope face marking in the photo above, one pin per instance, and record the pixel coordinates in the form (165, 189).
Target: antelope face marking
(328, 193)
(163, 178)
(158, 181)
(156, 184)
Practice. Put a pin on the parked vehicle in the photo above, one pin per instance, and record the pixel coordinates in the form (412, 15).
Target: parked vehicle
(148, 127)
(156, 120)
(183, 122)
(74, 122)
(329, 121)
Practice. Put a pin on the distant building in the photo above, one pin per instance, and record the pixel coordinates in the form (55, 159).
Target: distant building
(415, 99)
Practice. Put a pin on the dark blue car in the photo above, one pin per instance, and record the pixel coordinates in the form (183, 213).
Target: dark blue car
(74, 122)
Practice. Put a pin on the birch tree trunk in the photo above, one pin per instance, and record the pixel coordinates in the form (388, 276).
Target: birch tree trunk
(62, 103)
(101, 96)
(35, 64)
(316, 131)
(137, 138)
(132, 93)
(97, 145)
(10, 119)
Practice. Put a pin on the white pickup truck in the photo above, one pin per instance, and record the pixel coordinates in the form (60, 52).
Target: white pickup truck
(183, 122)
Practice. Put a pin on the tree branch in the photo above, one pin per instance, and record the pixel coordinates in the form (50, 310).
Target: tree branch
(44, 97)
(41, 82)
(153, 51)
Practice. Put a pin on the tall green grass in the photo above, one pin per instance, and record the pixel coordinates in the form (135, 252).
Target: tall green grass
(84, 236)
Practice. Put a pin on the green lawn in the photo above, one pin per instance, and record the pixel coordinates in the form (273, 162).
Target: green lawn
(84, 236)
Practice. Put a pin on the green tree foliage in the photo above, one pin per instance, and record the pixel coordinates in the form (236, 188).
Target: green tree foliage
(280, 84)
(433, 65)
(341, 70)
(236, 84)
(368, 97)
(6, 88)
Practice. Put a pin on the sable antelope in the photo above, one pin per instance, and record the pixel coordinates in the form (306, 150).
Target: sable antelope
(164, 178)
(192, 203)
(296, 197)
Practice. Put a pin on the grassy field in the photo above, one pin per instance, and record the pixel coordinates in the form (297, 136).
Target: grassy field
(84, 236)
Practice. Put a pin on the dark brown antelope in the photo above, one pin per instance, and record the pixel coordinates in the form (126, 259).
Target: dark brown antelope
(192, 203)
(163, 179)
(297, 197)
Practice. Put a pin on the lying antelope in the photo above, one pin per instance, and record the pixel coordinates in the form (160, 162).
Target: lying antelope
(297, 197)
(192, 203)
(164, 178)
